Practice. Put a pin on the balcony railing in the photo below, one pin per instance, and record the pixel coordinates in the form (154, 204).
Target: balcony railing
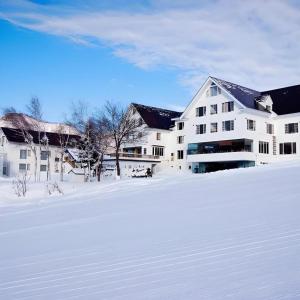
(135, 155)
(212, 151)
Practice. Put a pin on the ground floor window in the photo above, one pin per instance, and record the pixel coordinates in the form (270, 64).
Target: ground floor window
(264, 147)
(158, 151)
(287, 148)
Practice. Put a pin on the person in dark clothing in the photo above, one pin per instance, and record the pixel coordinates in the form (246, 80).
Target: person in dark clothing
(148, 173)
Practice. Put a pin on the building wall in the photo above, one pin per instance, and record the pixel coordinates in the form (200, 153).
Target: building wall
(239, 115)
(11, 152)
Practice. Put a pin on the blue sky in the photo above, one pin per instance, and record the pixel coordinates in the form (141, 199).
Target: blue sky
(156, 52)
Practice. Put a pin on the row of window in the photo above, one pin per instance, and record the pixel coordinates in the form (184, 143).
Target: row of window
(289, 128)
(26, 167)
(226, 107)
(284, 148)
(226, 126)
(251, 124)
(27, 153)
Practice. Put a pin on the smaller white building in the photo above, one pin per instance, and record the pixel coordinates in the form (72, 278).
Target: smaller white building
(38, 153)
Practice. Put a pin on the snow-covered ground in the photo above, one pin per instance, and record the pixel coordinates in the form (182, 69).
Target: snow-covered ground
(226, 235)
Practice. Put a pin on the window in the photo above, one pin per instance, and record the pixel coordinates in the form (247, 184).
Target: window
(145, 151)
(2, 140)
(56, 159)
(270, 128)
(172, 156)
(201, 129)
(213, 109)
(287, 148)
(268, 107)
(23, 154)
(44, 155)
(158, 136)
(180, 139)
(213, 127)
(251, 125)
(180, 154)
(291, 128)
(43, 168)
(214, 90)
(263, 147)
(228, 125)
(201, 111)
(28, 167)
(158, 151)
(227, 106)
(180, 125)
(22, 167)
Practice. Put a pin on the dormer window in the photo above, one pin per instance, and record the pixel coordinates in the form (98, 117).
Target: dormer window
(213, 90)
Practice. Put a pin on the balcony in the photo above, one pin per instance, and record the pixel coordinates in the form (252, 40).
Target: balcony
(229, 150)
(135, 156)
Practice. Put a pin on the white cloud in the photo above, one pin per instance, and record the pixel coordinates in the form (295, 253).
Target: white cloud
(255, 43)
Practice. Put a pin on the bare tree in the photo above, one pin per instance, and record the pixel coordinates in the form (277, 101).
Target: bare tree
(123, 127)
(8, 110)
(64, 141)
(81, 120)
(45, 145)
(25, 129)
(34, 108)
(101, 140)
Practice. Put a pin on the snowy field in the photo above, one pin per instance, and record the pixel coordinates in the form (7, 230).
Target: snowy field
(226, 235)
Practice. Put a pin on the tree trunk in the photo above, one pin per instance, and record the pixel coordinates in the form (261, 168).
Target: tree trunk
(35, 165)
(118, 163)
(99, 169)
(61, 166)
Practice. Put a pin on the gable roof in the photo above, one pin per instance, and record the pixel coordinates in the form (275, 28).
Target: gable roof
(285, 100)
(243, 94)
(15, 135)
(14, 120)
(156, 117)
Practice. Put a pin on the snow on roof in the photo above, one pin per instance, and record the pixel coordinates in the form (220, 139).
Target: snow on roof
(11, 119)
(243, 94)
(286, 100)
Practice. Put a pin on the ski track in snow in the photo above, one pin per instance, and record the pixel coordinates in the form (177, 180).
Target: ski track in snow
(167, 238)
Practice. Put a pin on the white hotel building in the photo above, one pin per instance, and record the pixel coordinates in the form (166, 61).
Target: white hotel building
(224, 126)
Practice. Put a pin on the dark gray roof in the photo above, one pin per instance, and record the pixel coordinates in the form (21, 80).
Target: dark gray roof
(285, 100)
(156, 117)
(243, 94)
(15, 135)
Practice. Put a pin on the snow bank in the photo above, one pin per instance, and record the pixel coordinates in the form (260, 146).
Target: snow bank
(226, 235)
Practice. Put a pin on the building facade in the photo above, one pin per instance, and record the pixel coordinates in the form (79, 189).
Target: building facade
(225, 126)
(38, 153)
